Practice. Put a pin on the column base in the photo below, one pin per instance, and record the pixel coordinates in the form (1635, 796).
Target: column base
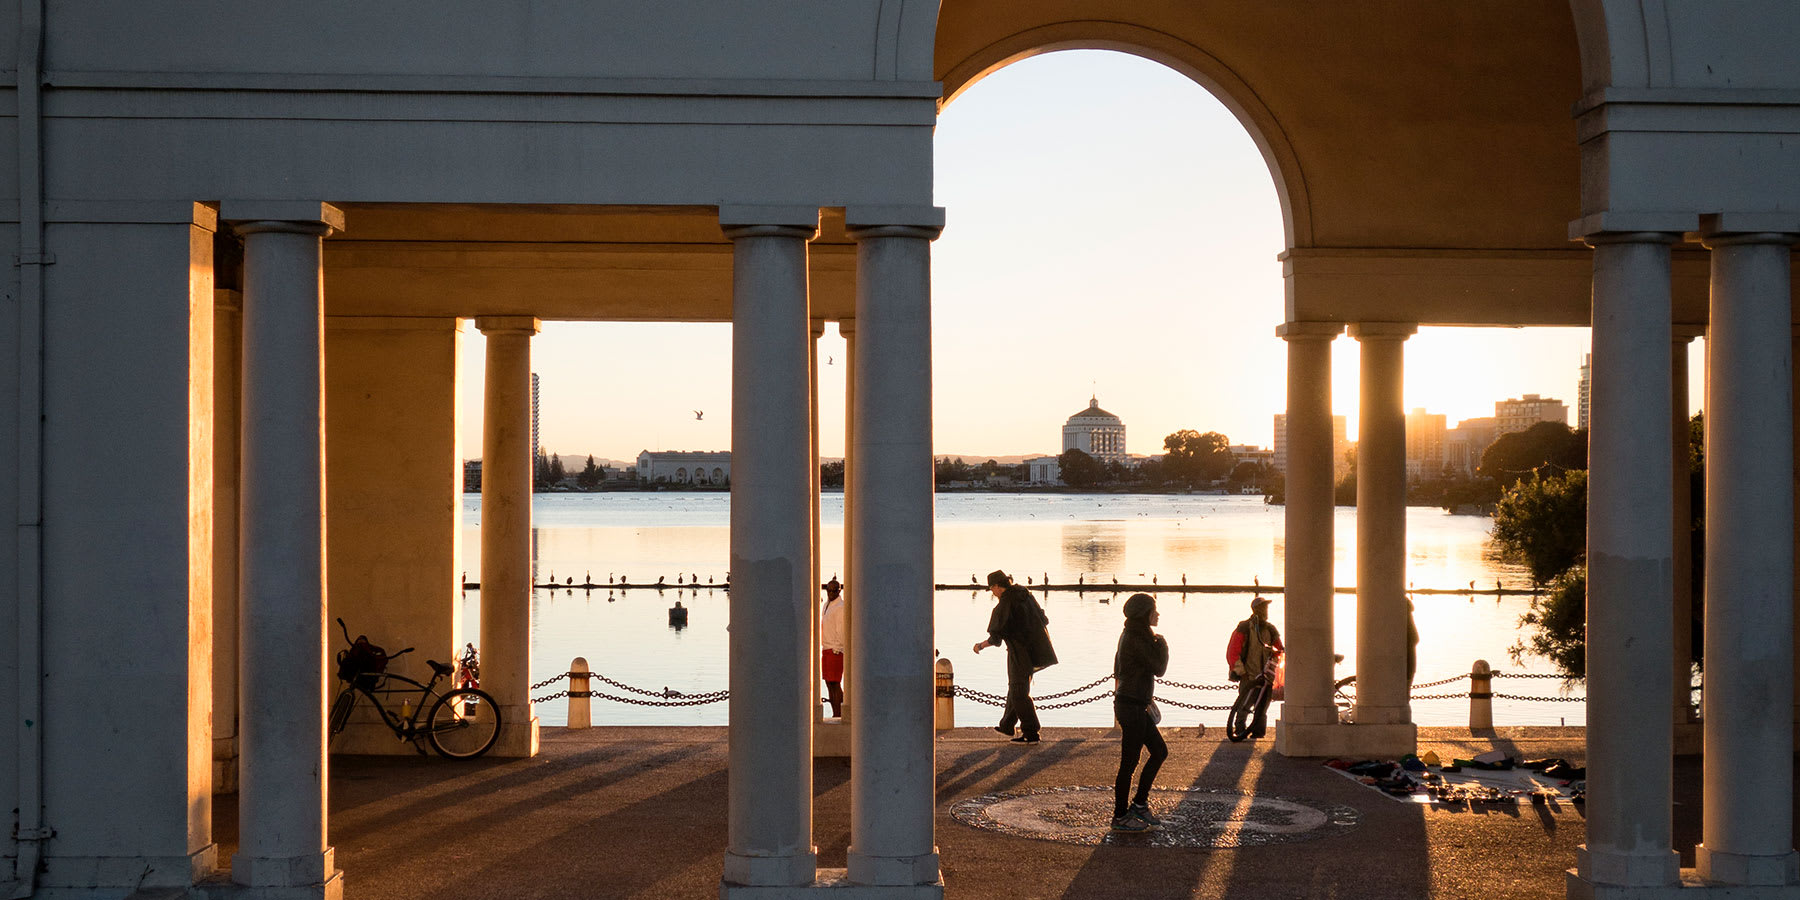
(331, 888)
(1385, 741)
(837, 881)
(1691, 887)
(1782, 869)
(785, 872)
(904, 871)
(81, 875)
(310, 871)
(831, 739)
(518, 734)
(1295, 714)
(225, 766)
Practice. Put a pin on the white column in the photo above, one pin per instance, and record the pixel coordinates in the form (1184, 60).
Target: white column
(282, 845)
(847, 328)
(506, 463)
(892, 783)
(1382, 692)
(1748, 775)
(772, 588)
(1307, 557)
(1681, 660)
(1629, 569)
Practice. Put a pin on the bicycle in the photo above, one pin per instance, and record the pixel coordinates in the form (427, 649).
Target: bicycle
(462, 723)
(1249, 700)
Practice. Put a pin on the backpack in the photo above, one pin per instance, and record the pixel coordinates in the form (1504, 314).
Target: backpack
(361, 663)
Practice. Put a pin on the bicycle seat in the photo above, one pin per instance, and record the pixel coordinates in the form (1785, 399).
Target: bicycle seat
(439, 667)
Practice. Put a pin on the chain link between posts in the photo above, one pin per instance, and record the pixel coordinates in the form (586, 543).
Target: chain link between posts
(667, 697)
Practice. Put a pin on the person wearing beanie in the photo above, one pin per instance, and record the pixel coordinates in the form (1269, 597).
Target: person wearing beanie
(1019, 622)
(1255, 644)
(831, 646)
(1143, 655)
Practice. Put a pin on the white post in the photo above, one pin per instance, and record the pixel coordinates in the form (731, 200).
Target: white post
(283, 848)
(1382, 692)
(506, 462)
(772, 588)
(1308, 709)
(944, 709)
(892, 784)
(581, 713)
(1481, 696)
(1748, 775)
(1629, 735)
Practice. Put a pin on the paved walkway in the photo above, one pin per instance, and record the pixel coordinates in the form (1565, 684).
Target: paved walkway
(640, 813)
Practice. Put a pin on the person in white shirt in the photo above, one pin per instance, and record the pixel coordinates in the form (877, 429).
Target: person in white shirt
(831, 640)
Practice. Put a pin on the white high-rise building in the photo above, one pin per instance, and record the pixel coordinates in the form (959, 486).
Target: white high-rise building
(1340, 444)
(1096, 432)
(1585, 393)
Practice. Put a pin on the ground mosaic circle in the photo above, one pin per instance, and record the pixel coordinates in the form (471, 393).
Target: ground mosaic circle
(1191, 817)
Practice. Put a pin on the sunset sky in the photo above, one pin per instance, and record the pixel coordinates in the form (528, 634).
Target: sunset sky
(1112, 231)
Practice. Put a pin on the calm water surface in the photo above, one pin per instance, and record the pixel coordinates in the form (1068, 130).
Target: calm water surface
(1209, 539)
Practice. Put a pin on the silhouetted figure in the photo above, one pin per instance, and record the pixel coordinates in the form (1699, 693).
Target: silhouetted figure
(659, 580)
(831, 643)
(570, 580)
(1018, 622)
(678, 578)
(1142, 656)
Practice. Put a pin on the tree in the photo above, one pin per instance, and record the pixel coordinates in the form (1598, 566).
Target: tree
(1248, 472)
(1543, 523)
(540, 470)
(1543, 449)
(1079, 469)
(949, 470)
(591, 474)
(1558, 621)
(831, 474)
(556, 469)
(1192, 458)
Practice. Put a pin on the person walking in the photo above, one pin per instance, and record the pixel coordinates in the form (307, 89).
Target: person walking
(1019, 622)
(1143, 655)
(1255, 643)
(831, 643)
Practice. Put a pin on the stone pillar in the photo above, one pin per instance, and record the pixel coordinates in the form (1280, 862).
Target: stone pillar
(1681, 543)
(892, 784)
(228, 309)
(847, 328)
(769, 841)
(1629, 571)
(1309, 711)
(506, 462)
(1382, 692)
(1748, 777)
(1795, 350)
(282, 846)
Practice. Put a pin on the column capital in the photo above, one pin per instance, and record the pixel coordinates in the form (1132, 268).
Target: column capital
(508, 324)
(846, 327)
(1682, 333)
(744, 220)
(1749, 228)
(1641, 225)
(296, 216)
(818, 328)
(1292, 331)
(875, 221)
(1713, 240)
(1599, 238)
(1382, 331)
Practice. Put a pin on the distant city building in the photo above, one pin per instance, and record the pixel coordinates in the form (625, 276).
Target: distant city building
(1096, 432)
(1524, 412)
(1043, 470)
(1585, 394)
(684, 467)
(1425, 434)
(1340, 445)
(471, 476)
(1464, 444)
(1251, 453)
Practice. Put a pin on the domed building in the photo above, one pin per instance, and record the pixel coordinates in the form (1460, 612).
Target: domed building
(1096, 432)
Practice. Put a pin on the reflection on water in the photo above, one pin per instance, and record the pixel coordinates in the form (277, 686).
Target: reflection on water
(1092, 538)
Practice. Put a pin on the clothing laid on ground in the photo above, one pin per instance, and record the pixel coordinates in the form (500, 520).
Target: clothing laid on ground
(1142, 656)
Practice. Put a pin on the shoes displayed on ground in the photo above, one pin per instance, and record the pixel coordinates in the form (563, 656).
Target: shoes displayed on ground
(1129, 823)
(1025, 739)
(1142, 811)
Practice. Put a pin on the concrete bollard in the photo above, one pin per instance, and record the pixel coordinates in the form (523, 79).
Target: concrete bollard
(581, 713)
(946, 695)
(1481, 697)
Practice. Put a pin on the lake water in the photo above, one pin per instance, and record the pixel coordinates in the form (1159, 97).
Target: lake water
(1208, 538)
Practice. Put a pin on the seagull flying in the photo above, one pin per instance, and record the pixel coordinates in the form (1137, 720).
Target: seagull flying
(699, 414)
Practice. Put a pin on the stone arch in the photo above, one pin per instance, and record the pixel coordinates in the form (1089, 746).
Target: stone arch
(1202, 67)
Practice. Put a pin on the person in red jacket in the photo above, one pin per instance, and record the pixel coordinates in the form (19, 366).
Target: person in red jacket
(1255, 644)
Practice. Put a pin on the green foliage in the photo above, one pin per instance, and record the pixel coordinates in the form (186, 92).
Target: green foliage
(1080, 469)
(591, 474)
(1543, 523)
(1557, 623)
(1543, 449)
(831, 474)
(949, 470)
(1193, 459)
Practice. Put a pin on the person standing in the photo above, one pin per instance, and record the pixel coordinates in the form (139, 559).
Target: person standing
(831, 643)
(1019, 622)
(1255, 644)
(1143, 655)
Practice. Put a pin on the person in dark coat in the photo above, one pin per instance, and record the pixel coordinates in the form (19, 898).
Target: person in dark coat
(1016, 620)
(1143, 655)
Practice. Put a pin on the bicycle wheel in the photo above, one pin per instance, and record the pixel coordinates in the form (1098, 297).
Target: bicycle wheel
(1237, 722)
(463, 724)
(340, 709)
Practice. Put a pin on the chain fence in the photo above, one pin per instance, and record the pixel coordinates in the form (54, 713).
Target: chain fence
(672, 698)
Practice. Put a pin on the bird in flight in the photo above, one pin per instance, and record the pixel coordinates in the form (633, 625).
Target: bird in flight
(699, 414)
